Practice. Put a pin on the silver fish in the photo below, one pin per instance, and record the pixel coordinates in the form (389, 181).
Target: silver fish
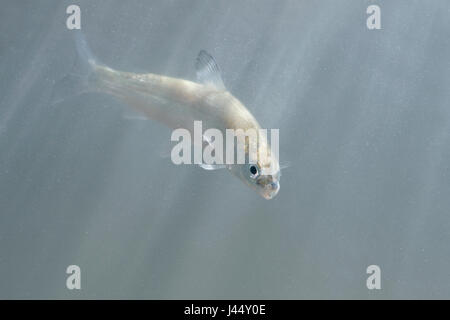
(178, 103)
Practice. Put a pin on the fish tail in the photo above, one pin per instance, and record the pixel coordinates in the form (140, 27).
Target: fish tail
(82, 77)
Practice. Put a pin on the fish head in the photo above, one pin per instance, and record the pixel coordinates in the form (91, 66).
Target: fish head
(264, 178)
(261, 172)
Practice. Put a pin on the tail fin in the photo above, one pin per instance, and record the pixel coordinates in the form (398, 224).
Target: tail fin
(80, 79)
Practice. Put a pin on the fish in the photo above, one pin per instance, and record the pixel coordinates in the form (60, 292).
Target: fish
(177, 103)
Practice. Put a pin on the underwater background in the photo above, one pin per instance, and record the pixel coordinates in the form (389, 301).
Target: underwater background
(364, 120)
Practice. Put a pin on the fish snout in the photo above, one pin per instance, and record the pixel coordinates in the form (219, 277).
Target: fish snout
(271, 190)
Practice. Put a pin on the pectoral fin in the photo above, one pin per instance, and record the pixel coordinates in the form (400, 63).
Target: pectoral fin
(207, 141)
(285, 164)
(208, 71)
(212, 166)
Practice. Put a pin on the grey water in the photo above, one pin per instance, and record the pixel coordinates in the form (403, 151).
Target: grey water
(364, 120)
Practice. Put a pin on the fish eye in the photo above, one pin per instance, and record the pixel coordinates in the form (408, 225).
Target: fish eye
(253, 171)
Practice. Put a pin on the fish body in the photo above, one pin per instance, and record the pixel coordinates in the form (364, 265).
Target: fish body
(177, 103)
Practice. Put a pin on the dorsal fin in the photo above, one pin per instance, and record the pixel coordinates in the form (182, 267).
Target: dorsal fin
(208, 71)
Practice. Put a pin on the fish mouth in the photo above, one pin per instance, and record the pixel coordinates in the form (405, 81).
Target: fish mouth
(271, 190)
